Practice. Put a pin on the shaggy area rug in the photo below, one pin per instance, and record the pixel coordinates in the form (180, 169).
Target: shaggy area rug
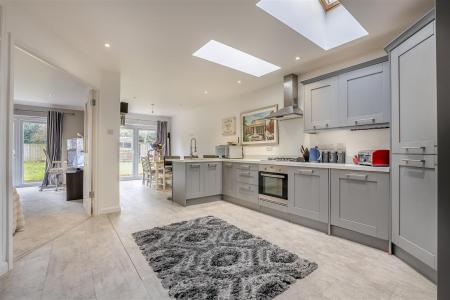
(207, 258)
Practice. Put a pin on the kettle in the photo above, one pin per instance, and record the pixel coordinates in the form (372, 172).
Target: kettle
(314, 154)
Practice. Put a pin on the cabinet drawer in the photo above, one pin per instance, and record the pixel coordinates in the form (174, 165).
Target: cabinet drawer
(249, 177)
(360, 202)
(247, 192)
(247, 167)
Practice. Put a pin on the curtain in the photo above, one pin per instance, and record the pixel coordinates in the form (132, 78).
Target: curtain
(54, 140)
(161, 136)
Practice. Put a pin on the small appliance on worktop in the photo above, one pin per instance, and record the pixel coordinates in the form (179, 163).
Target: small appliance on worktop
(374, 158)
(230, 151)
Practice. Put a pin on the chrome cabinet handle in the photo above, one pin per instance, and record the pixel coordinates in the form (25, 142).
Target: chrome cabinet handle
(414, 148)
(421, 161)
(245, 166)
(249, 189)
(362, 177)
(305, 172)
(365, 121)
(212, 165)
(245, 174)
(228, 165)
(272, 175)
(194, 166)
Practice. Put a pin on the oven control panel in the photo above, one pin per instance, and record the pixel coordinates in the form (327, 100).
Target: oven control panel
(273, 169)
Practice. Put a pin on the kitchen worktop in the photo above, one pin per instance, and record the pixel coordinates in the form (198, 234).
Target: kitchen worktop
(289, 163)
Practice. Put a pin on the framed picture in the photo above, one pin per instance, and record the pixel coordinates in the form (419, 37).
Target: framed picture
(229, 126)
(255, 130)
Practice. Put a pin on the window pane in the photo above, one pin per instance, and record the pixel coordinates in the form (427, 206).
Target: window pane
(34, 141)
(126, 152)
(146, 138)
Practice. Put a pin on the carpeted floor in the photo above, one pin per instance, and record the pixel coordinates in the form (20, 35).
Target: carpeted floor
(207, 258)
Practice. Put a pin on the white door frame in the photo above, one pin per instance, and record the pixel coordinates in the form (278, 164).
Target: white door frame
(6, 145)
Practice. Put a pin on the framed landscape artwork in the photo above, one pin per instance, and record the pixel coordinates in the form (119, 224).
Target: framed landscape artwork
(255, 130)
(229, 126)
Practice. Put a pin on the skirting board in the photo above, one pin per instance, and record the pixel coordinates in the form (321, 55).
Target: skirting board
(3, 267)
(360, 238)
(203, 200)
(414, 263)
(109, 210)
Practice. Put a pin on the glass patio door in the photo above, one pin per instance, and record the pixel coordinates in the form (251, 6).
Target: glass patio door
(30, 142)
(135, 142)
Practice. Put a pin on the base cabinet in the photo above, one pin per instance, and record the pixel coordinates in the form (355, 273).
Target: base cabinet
(414, 206)
(360, 202)
(228, 179)
(193, 181)
(203, 179)
(308, 193)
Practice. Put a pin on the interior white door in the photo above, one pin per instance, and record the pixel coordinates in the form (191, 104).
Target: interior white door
(89, 168)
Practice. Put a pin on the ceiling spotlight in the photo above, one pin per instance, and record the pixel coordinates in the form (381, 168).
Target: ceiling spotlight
(239, 82)
(297, 58)
(107, 45)
(205, 92)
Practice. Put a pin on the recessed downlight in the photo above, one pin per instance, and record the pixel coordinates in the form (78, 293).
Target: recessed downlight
(297, 58)
(205, 92)
(239, 82)
(107, 45)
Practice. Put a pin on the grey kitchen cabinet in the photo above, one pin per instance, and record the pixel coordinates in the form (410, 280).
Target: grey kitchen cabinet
(249, 177)
(247, 192)
(193, 180)
(364, 96)
(414, 206)
(321, 104)
(229, 179)
(360, 202)
(211, 178)
(308, 193)
(413, 94)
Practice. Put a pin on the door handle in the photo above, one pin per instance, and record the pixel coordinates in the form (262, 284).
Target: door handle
(414, 148)
(305, 172)
(272, 175)
(407, 161)
(361, 177)
(364, 121)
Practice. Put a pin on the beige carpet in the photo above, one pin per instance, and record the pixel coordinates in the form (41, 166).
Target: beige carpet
(47, 215)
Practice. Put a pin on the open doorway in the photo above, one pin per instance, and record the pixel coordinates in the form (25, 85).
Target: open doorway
(49, 129)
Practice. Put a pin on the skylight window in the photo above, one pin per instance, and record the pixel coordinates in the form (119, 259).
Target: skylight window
(329, 4)
(327, 29)
(235, 59)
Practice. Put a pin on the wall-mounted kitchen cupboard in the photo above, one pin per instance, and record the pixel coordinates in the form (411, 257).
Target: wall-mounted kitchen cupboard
(354, 97)
(414, 143)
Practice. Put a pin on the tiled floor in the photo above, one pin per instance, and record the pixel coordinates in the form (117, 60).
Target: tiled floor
(99, 259)
(47, 216)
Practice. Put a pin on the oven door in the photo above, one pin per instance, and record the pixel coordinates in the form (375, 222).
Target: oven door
(274, 185)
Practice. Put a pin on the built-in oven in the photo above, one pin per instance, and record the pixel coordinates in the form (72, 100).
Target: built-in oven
(273, 184)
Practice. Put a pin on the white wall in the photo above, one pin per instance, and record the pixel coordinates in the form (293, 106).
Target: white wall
(204, 123)
(107, 141)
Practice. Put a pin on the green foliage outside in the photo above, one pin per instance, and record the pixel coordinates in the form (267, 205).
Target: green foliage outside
(33, 171)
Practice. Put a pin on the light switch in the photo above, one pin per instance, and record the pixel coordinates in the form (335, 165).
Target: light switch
(110, 131)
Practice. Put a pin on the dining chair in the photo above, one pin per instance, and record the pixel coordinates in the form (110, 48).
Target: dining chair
(55, 169)
(146, 171)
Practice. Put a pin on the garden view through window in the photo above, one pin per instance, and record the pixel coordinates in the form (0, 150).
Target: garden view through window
(34, 141)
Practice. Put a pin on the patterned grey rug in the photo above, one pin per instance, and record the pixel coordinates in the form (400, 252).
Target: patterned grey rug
(207, 258)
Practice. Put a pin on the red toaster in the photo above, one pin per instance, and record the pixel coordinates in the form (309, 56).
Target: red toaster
(374, 158)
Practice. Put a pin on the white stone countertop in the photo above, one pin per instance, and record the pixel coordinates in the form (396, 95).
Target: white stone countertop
(288, 163)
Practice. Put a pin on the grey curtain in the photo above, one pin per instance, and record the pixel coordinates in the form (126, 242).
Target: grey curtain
(54, 140)
(161, 136)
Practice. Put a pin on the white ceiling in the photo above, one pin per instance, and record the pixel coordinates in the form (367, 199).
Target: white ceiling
(36, 82)
(152, 43)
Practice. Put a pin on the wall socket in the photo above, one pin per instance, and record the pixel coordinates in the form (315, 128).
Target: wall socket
(269, 148)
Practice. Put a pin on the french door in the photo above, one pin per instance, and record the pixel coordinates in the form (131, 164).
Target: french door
(30, 139)
(135, 142)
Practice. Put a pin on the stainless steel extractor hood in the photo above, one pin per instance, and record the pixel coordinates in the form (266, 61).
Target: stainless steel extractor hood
(291, 108)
